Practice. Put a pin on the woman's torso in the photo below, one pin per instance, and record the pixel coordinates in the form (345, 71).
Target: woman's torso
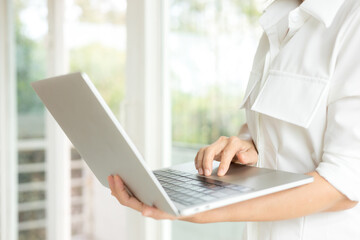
(286, 105)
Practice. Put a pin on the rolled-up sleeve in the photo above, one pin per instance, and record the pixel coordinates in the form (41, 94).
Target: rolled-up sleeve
(340, 164)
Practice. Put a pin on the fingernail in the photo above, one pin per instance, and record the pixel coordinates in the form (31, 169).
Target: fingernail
(201, 171)
(221, 172)
(207, 172)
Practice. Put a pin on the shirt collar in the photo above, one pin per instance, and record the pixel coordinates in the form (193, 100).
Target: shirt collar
(323, 10)
(277, 10)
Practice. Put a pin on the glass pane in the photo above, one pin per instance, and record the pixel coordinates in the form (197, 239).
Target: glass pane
(33, 234)
(96, 40)
(31, 31)
(32, 194)
(32, 215)
(80, 186)
(31, 156)
(211, 46)
(31, 177)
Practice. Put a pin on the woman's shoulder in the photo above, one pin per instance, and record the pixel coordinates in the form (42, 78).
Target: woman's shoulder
(347, 21)
(350, 10)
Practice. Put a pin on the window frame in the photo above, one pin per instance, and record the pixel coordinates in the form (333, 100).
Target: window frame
(8, 119)
(148, 107)
(58, 148)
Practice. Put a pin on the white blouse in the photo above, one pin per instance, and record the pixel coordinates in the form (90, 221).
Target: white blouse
(303, 108)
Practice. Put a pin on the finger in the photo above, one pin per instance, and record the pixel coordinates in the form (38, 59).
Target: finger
(123, 196)
(120, 191)
(247, 157)
(111, 184)
(228, 154)
(210, 153)
(198, 161)
(195, 160)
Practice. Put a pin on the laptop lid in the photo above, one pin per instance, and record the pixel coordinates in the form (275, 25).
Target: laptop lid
(93, 129)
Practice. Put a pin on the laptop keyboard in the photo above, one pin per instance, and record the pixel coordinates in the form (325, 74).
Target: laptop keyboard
(192, 189)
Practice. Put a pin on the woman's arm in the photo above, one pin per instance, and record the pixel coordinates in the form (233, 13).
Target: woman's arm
(318, 196)
(315, 197)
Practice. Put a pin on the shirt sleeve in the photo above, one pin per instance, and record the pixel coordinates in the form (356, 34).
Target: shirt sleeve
(244, 133)
(340, 164)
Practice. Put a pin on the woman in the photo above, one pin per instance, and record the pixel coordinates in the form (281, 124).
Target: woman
(303, 115)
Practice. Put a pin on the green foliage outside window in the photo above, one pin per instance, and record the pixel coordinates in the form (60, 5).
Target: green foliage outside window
(201, 118)
(105, 66)
(188, 15)
(30, 66)
(196, 118)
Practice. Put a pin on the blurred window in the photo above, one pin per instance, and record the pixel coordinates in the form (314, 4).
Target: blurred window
(210, 49)
(95, 34)
(31, 66)
(211, 46)
(96, 40)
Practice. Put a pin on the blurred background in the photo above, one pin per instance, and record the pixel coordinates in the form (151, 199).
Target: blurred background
(203, 58)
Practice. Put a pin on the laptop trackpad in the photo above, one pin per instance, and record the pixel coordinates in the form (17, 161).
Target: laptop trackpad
(238, 174)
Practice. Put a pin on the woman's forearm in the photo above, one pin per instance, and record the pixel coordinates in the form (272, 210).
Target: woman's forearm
(318, 196)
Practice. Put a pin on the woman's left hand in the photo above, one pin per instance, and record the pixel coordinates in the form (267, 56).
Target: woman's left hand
(119, 191)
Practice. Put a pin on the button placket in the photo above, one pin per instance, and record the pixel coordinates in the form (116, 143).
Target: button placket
(274, 47)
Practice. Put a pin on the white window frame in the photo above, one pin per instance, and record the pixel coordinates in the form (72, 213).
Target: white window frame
(147, 100)
(57, 145)
(8, 133)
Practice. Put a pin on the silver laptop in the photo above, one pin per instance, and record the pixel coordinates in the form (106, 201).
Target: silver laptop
(93, 129)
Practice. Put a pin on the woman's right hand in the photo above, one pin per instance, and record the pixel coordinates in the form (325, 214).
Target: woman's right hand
(225, 150)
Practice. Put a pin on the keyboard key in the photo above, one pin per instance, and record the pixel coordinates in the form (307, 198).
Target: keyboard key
(208, 191)
(219, 194)
(208, 198)
(191, 189)
(228, 191)
(197, 201)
